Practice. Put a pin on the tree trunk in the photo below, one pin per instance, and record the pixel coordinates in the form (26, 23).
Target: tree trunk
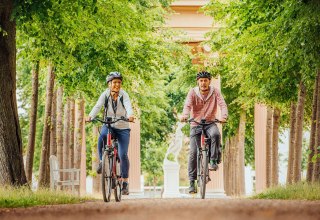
(275, 147)
(268, 147)
(233, 165)
(95, 162)
(78, 133)
(241, 142)
(60, 126)
(11, 162)
(79, 128)
(71, 129)
(53, 130)
(298, 134)
(313, 130)
(66, 137)
(316, 168)
(226, 164)
(43, 174)
(33, 122)
(291, 142)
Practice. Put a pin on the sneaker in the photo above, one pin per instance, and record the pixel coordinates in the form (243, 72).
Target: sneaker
(192, 188)
(213, 165)
(99, 169)
(125, 188)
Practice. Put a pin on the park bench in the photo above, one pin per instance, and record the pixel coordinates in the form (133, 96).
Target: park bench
(73, 179)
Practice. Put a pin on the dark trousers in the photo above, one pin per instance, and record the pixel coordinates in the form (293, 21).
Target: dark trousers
(212, 132)
(123, 136)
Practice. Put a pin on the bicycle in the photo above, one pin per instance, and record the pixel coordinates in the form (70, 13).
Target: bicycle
(203, 156)
(111, 173)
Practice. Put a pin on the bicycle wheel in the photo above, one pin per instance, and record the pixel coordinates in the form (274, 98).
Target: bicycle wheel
(106, 177)
(203, 173)
(118, 181)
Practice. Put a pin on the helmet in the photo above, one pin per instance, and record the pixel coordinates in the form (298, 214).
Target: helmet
(203, 74)
(113, 75)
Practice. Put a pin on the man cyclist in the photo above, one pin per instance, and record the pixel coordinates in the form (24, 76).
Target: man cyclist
(116, 103)
(201, 103)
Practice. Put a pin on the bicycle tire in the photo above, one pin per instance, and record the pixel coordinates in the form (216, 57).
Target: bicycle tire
(203, 173)
(118, 187)
(106, 177)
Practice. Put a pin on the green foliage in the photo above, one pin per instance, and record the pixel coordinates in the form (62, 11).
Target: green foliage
(153, 155)
(24, 197)
(265, 49)
(85, 40)
(299, 191)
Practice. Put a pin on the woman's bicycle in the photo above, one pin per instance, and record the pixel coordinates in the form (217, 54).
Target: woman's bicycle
(203, 156)
(111, 173)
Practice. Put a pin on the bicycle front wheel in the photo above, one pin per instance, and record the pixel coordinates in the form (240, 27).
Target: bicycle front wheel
(117, 189)
(106, 177)
(203, 162)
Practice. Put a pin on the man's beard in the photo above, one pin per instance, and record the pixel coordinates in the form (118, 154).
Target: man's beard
(204, 90)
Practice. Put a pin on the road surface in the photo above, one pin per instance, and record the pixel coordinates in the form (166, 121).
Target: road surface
(169, 209)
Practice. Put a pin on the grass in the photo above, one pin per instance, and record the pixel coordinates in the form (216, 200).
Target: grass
(24, 197)
(299, 191)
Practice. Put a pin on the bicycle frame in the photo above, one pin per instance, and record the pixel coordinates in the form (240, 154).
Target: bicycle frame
(111, 175)
(203, 156)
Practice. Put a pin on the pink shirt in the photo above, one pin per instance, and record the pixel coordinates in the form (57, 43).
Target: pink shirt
(200, 107)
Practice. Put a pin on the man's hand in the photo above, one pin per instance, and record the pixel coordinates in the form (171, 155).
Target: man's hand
(131, 119)
(88, 119)
(183, 118)
(223, 120)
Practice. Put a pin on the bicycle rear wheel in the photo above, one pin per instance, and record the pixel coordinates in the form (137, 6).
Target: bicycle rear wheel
(117, 189)
(106, 177)
(203, 162)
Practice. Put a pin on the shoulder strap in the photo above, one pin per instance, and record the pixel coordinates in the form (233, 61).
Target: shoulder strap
(121, 100)
(106, 102)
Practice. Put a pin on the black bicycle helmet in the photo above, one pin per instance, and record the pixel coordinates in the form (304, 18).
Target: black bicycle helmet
(113, 75)
(203, 74)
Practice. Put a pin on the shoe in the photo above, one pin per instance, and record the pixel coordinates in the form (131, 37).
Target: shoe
(213, 165)
(99, 169)
(125, 188)
(192, 188)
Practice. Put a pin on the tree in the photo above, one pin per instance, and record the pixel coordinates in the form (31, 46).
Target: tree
(312, 149)
(12, 170)
(33, 120)
(43, 171)
(291, 143)
(60, 125)
(275, 147)
(298, 134)
(269, 147)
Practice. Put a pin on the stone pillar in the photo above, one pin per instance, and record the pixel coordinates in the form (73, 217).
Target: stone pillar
(134, 158)
(171, 179)
(215, 187)
(260, 133)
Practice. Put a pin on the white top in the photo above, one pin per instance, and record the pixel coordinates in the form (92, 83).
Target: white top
(125, 111)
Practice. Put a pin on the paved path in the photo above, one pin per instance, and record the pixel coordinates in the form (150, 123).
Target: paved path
(169, 209)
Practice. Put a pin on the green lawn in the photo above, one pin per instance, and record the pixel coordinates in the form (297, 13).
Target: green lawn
(303, 191)
(24, 197)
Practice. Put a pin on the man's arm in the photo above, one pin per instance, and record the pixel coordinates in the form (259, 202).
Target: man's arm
(187, 106)
(223, 106)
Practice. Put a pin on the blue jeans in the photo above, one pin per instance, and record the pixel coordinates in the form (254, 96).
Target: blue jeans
(123, 136)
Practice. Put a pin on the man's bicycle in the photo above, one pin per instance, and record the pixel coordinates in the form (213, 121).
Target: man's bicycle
(203, 156)
(111, 173)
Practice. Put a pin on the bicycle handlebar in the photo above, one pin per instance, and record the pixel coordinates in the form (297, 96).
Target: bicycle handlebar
(205, 123)
(109, 120)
